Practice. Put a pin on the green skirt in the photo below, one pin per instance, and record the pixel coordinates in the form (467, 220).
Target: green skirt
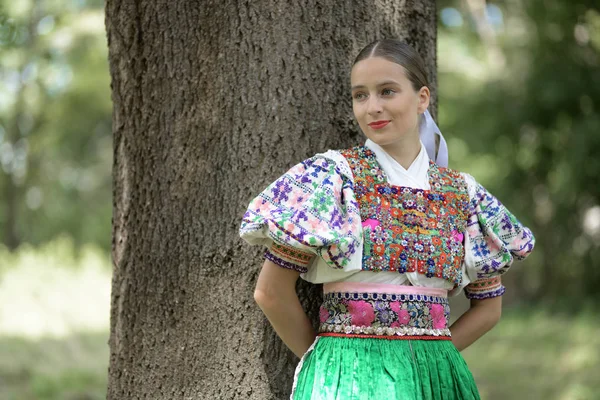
(352, 368)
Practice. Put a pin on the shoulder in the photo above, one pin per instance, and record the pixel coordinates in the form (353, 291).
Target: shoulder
(472, 184)
(477, 192)
(327, 169)
(332, 160)
(450, 178)
(335, 156)
(462, 179)
(453, 173)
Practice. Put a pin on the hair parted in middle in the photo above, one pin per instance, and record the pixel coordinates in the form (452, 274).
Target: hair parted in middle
(400, 53)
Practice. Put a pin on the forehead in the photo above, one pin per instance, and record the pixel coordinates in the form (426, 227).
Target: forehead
(375, 69)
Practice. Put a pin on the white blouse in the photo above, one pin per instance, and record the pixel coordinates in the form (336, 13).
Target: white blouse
(494, 236)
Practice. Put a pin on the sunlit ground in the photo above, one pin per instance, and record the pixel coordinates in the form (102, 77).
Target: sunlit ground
(534, 355)
(54, 313)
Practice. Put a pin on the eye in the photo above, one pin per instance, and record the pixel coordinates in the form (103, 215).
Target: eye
(359, 96)
(387, 92)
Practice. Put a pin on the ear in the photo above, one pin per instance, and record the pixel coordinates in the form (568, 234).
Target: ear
(423, 96)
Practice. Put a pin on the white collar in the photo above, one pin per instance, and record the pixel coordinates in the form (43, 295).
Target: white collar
(415, 176)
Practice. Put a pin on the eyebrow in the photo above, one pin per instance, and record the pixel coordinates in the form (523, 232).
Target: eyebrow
(379, 84)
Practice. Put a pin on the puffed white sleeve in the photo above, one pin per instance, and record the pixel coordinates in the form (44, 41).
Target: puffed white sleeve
(308, 212)
(494, 239)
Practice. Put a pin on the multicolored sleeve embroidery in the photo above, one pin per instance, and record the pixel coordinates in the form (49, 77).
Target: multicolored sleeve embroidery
(495, 239)
(309, 211)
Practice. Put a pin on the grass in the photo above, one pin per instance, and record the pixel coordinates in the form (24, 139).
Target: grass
(535, 354)
(68, 368)
(54, 313)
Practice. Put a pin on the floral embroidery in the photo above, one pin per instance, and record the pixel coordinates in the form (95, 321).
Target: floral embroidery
(403, 317)
(330, 204)
(439, 319)
(364, 309)
(361, 312)
(376, 312)
(323, 315)
(311, 208)
(407, 229)
(495, 234)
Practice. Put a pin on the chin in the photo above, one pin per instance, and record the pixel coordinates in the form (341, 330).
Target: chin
(390, 138)
(382, 140)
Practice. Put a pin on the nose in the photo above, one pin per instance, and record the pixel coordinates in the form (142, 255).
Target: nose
(374, 106)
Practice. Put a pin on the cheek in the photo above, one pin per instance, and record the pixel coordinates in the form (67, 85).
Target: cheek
(404, 106)
(405, 101)
(357, 110)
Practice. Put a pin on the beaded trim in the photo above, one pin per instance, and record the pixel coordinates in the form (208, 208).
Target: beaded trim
(485, 288)
(283, 263)
(382, 331)
(485, 295)
(290, 257)
(483, 284)
(385, 297)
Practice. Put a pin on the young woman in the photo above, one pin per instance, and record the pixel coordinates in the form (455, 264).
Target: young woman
(391, 232)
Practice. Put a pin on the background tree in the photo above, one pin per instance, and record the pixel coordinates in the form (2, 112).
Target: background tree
(212, 101)
(521, 113)
(55, 136)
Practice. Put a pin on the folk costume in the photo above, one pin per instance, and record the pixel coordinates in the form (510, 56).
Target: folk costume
(389, 245)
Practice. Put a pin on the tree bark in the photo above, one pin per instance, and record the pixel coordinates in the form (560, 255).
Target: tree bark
(213, 100)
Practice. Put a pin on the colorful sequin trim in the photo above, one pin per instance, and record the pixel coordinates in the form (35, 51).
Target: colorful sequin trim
(283, 263)
(486, 295)
(289, 257)
(431, 335)
(485, 284)
(385, 297)
(384, 314)
(407, 229)
(485, 288)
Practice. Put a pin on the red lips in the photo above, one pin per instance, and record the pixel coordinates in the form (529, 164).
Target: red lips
(378, 124)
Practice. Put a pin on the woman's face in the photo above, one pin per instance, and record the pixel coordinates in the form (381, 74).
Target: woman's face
(384, 102)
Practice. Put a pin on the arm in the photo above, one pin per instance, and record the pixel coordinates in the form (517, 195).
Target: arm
(276, 296)
(482, 316)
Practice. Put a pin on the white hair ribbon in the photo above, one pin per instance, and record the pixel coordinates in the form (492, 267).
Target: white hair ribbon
(427, 132)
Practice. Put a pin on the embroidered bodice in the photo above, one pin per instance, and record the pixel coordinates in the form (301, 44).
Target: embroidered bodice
(407, 229)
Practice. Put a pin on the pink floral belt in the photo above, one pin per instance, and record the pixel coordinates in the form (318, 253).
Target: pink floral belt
(352, 309)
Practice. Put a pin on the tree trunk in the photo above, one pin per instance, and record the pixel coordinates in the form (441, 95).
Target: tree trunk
(212, 101)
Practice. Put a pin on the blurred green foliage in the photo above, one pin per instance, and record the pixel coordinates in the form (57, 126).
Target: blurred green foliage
(55, 123)
(519, 86)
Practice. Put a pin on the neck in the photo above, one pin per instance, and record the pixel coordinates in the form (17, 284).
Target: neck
(403, 151)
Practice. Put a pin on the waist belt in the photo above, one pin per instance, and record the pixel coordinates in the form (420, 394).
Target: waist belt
(371, 310)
